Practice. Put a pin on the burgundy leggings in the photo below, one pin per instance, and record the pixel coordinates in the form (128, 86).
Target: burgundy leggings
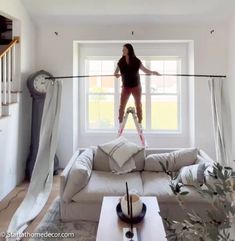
(125, 94)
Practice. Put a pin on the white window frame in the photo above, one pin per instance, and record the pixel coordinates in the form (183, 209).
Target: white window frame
(94, 50)
(115, 94)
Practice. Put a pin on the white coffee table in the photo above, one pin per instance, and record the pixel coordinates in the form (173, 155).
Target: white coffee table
(111, 227)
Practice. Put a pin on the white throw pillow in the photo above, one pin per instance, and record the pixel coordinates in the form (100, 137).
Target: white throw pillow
(79, 174)
(175, 159)
(192, 175)
(127, 167)
(102, 160)
(120, 150)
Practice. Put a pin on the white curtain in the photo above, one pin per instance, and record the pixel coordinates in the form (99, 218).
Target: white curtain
(221, 121)
(42, 176)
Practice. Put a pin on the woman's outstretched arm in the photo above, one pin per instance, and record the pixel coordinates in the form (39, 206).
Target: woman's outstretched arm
(148, 71)
(116, 73)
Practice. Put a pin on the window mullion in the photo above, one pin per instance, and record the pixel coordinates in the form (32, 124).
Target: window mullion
(116, 101)
(86, 87)
(179, 103)
(148, 99)
(87, 106)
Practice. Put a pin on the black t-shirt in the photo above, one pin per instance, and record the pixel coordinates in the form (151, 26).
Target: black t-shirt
(130, 72)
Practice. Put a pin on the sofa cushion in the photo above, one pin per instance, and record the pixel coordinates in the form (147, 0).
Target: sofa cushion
(102, 162)
(175, 159)
(120, 150)
(108, 184)
(79, 174)
(157, 184)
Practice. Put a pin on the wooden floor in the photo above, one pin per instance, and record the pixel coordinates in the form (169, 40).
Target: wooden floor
(11, 202)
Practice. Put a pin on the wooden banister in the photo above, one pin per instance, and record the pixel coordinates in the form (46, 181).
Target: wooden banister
(10, 45)
(8, 77)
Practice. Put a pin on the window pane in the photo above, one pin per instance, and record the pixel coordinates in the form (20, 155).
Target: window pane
(130, 122)
(100, 84)
(94, 67)
(101, 112)
(164, 84)
(170, 66)
(170, 84)
(157, 65)
(98, 67)
(164, 113)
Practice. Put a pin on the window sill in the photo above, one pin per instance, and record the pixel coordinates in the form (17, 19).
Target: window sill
(134, 132)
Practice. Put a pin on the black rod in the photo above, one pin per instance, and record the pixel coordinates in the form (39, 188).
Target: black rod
(131, 214)
(128, 202)
(197, 75)
(182, 75)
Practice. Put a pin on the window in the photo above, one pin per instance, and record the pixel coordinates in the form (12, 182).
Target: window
(164, 98)
(100, 91)
(160, 94)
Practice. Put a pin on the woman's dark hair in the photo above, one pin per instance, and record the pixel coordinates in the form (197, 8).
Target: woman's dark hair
(131, 51)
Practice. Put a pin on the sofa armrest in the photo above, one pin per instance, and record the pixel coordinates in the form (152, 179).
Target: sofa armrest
(65, 173)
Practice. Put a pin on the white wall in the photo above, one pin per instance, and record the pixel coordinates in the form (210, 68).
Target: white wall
(230, 83)
(55, 54)
(15, 135)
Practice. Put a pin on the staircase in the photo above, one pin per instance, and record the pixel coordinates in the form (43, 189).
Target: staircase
(8, 79)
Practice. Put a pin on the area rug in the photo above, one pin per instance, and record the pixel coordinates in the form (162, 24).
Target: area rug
(51, 225)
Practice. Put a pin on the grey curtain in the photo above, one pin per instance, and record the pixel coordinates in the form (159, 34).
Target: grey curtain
(42, 176)
(221, 121)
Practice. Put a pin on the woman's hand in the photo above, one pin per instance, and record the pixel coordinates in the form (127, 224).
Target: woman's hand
(155, 73)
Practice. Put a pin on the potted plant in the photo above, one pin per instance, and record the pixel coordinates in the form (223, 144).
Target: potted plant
(219, 193)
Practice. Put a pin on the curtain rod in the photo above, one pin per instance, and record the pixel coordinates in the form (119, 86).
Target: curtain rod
(178, 75)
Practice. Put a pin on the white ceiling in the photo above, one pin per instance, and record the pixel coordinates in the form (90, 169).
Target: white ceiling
(130, 11)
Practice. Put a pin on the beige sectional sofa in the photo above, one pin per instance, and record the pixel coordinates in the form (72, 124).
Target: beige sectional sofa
(81, 197)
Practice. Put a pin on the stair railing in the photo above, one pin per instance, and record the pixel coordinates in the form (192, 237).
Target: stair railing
(7, 72)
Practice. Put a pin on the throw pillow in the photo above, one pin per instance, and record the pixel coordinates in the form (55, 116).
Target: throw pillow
(175, 159)
(192, 175)
(120, 150)
(184, 157)
(152, 162)
(79, 174)
(127, 167)
(101, 160)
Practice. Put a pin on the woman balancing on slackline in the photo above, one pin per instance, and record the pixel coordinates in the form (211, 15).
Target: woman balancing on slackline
(129, 66)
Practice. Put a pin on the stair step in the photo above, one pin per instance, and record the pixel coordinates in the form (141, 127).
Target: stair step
(6, 108)
(14, 97)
